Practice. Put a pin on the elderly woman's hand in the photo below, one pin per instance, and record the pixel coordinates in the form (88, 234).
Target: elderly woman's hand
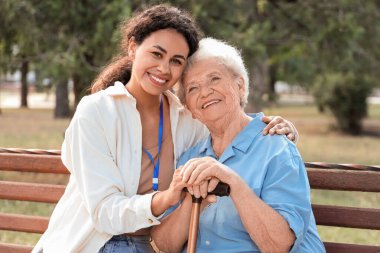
(203, 174)
(279, 125)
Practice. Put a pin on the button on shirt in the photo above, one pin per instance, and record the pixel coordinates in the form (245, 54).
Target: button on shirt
(274, 170)
(102, 150)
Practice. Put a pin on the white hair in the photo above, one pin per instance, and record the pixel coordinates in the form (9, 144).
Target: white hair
(225, 54)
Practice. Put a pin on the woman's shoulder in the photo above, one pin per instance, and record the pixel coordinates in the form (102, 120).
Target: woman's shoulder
(89, 103)
(100, 100)
(275, 145)
(97, 108)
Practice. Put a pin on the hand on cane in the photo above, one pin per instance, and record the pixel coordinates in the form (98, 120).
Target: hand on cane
(203, 190)
(198, 170)
(209, 187)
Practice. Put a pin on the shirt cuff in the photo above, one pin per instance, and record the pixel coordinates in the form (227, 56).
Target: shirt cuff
(145, 208)
(296, 227)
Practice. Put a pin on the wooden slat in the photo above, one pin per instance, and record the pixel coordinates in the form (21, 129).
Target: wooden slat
(14, 248)
(32, 163)
(31, 191)
(332, 247)
(346, 180)
(341, 166)
(351, 217)
(23, 223)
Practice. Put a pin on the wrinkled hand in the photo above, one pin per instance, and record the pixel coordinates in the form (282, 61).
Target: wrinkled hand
(279, 125)
(201, 191)
(203, 174)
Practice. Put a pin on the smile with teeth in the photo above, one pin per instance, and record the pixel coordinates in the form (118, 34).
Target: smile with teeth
(210, 103)
(157, 79)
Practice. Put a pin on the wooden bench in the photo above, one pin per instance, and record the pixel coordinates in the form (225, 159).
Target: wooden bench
(321, 176)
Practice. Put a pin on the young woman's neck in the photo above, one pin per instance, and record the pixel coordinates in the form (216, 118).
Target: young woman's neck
(144, 100)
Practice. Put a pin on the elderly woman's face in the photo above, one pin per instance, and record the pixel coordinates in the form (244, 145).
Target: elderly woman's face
(212, 91)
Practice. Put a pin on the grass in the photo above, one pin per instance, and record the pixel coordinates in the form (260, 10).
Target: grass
(31, 128)
(320, 141)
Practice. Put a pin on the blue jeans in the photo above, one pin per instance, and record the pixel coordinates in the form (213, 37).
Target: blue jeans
(127, 244)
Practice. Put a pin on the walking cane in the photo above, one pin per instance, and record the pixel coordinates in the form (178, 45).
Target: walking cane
(220, 190)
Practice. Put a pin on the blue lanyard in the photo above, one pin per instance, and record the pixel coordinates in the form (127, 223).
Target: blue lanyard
(157, 165)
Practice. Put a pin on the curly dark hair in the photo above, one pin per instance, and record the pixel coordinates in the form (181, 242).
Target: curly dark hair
(139, 27)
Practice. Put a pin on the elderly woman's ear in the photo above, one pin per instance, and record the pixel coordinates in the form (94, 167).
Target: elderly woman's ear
(240, 82)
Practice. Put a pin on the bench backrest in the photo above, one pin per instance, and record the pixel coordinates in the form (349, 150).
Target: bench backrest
(346, 177)
(321, 176)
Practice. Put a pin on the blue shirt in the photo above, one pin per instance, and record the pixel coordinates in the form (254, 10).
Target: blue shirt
(273, 168)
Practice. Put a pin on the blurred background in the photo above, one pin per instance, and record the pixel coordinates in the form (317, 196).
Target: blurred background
(313, 62)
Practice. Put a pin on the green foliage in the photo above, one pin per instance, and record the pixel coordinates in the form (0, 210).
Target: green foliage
(292, 41)
(321, 93)
(19, 33)
(349, 103)
(61, 38)
(345, 96)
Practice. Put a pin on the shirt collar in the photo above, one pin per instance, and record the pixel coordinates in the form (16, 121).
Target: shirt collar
(241, 142)
(244, 139)
(118, 89)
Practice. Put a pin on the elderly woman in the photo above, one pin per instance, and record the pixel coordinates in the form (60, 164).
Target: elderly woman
(269, 206)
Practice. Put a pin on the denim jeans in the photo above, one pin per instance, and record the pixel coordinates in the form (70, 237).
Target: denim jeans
(127, 244)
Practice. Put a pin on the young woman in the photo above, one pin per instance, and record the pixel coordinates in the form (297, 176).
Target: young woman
(123, 142)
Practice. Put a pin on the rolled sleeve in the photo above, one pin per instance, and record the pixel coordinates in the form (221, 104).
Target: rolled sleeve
(296, 224)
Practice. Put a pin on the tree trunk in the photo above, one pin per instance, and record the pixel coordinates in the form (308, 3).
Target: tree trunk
(24, 82)
(1, 112)
(80, 87)
(272, 96)
(260, 73)
(77, 89)
(82, 80)
(62, 109)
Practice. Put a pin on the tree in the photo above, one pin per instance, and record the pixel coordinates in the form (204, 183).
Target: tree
(344, 94)
(19, 40)
(299, 42)
(83, 38)
(62, 45)
(345, 57)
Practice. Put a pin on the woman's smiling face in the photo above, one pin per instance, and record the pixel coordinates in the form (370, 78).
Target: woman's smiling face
(212, 91)
(158, 62)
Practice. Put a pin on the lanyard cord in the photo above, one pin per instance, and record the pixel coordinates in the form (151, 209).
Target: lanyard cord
(156, 166)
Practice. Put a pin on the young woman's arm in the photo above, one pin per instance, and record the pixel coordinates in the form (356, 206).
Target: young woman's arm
(171, 235)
